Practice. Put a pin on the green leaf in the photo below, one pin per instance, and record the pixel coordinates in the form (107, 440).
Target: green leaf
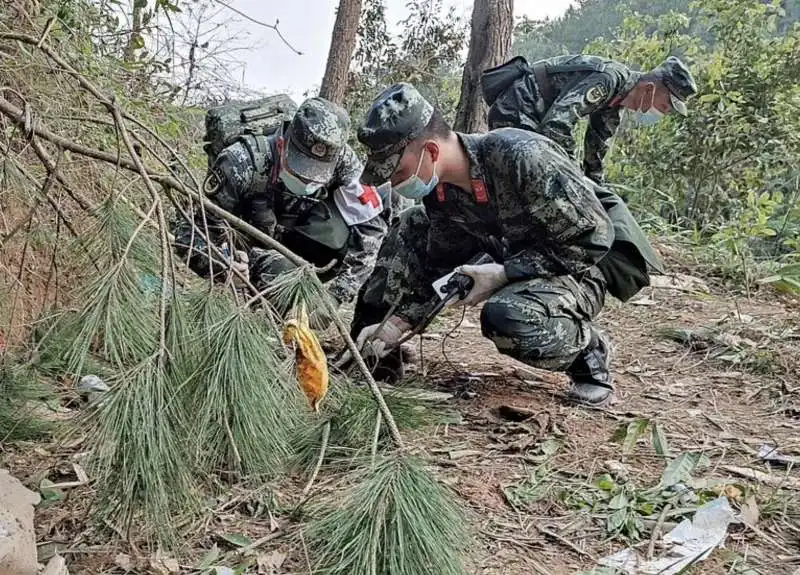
(605, 483)
(617, 520)
(660, 440)
(681, 468)
(619, 501)
(236, 539)
(49, 494)
(629, 434)
(209, 558)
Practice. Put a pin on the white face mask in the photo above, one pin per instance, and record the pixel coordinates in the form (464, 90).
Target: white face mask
(297, 186)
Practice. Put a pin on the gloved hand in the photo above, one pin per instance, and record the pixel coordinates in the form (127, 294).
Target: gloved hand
(240, 263)
(488, 279)
(372, 342)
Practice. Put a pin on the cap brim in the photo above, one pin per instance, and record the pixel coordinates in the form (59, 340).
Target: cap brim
(308, 168)
(377, 172)
(678, 105)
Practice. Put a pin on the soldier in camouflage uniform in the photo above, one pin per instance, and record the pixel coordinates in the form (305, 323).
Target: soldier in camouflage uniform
(303, 189)
(552, 95)
(558, 240)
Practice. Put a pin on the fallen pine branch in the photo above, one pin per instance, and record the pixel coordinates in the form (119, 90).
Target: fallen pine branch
(22, 118)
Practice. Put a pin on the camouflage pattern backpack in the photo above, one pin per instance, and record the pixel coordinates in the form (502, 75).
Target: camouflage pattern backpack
(259, 117)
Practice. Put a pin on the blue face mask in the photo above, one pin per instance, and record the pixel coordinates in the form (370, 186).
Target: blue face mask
(297, 186)
(414, 188)
(650, 117)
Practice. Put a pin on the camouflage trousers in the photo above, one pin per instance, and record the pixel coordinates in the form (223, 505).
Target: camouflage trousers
(543, 322)
(266, 265)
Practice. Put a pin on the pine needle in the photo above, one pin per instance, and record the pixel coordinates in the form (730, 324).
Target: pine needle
(296, 288)
(138, 454)
(119, 321)
(351, 412)
(245, 403)
(119, 234)
(396, 520)
(19, 392)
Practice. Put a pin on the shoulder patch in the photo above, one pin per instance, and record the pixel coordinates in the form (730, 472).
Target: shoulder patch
(596, 93)
(358, 203)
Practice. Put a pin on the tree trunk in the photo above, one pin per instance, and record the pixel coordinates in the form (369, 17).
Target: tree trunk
(343, 43)
(489, 45)
(135, 38)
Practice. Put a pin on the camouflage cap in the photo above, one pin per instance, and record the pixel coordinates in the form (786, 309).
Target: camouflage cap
(316, 136)
(678, 80)
(398, 116)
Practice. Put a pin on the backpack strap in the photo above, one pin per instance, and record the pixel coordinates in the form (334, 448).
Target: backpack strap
(276, 149)
(542, 71)
(260, 148)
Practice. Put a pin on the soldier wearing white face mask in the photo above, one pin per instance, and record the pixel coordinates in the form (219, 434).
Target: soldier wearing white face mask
(300, 186)
(550, 96)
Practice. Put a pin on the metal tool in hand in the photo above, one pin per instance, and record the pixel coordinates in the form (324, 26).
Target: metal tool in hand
(450, 288)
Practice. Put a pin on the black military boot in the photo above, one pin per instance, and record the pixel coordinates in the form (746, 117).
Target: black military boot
(592, 380)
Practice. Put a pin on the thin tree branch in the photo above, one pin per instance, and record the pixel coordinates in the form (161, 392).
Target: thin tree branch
(165, 251)
(260, 23)
(51, 201)
(94, 91)
(326, 434)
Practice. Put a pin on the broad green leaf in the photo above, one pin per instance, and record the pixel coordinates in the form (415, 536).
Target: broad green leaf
(629, 434)
(616, 520)
(681, 468)
(49, 494)
(619, 501)
(236, 539)
(660, 440)
(209, 558)
(605, 483)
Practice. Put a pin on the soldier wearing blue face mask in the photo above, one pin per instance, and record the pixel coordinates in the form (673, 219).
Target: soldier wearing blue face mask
(300, 186)
(550, 97)
(559, 242)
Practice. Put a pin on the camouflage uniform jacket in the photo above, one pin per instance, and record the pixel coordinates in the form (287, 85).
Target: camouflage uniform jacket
(579, 87)
(530, 208)
(347, 220)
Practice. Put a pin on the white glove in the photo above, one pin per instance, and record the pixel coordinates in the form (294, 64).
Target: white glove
(371, 342)
(488, 279)
(240, 263)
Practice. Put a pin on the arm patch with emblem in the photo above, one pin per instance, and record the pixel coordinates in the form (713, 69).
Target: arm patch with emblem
(596, 94)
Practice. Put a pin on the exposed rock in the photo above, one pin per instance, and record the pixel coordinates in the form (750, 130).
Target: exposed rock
(17, 536)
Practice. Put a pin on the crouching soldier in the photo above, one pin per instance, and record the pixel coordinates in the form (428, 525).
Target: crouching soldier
(301, 187)
(558, 241)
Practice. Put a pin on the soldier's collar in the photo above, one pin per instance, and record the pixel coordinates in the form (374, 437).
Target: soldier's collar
(471, 144)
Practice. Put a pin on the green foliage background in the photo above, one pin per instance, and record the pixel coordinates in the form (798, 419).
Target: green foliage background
(726, 176)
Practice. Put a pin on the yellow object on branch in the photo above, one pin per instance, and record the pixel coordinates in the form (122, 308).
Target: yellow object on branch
(312, 365)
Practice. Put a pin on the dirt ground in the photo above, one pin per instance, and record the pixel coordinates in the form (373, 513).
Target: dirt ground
(530, 485)
(724, 400)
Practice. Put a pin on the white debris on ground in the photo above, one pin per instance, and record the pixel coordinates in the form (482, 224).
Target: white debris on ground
(689, 543)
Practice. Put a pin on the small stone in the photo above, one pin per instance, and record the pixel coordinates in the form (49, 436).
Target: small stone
(91, 384)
